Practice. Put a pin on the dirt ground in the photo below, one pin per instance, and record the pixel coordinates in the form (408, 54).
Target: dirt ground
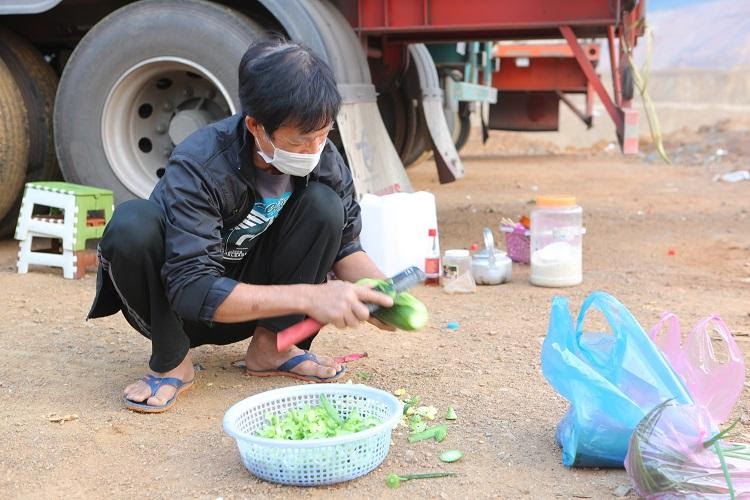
(659, 238)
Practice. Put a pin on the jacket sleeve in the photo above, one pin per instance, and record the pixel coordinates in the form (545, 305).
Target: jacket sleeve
(192, 272)
(335, 173)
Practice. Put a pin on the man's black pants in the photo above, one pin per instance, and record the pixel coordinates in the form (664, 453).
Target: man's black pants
(300, 246)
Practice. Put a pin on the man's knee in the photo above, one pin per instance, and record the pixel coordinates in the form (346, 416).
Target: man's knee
(136, 226)
(323, 207)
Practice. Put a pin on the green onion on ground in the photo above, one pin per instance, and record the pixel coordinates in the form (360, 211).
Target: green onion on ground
(394, 480)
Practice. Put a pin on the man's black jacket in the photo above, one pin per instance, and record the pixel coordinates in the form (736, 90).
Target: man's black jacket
(208, 185)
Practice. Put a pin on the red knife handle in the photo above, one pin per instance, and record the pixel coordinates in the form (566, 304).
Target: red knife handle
(296, 333)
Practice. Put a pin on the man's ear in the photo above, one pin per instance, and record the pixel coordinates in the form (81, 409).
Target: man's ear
(253, 126)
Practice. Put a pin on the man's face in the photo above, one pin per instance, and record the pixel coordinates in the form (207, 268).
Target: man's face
(288, 138)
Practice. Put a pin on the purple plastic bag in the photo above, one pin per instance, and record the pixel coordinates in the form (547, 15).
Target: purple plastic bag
(714, 385)
(668, 457)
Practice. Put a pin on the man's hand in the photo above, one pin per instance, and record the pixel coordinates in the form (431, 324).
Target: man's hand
(344, 304)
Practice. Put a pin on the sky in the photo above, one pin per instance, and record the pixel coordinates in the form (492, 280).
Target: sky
(657, 5)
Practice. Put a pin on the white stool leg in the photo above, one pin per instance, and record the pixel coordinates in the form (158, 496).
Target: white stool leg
(24, 250)
(69, 264)
(24, 217)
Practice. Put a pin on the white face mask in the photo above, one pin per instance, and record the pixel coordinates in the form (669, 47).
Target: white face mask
(287, 162)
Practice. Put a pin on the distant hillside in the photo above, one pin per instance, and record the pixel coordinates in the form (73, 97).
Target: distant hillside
(707, 35)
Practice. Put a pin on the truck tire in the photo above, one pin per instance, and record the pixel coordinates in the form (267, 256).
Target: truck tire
(392, 107)
(14, 140)
(163, 68)
(417, 147)
(37, 83)
(627, 83)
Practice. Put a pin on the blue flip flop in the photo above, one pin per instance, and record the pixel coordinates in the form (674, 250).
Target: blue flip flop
(284, 370)
(154, 383)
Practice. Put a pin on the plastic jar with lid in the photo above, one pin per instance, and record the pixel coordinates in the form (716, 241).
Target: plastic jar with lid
(556, 242)
(456, 276)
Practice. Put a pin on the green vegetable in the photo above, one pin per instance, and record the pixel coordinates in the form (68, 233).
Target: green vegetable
(330, 410)
(437, 432)
(416, 424)
(440, 434)
(428, 412)
(410, 404)
(315, 422)
(451, 455)
(451, 414)
(407, 313)
(394, 480)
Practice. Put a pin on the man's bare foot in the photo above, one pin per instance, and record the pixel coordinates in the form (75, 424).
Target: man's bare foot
(139, 391)
(262, 355)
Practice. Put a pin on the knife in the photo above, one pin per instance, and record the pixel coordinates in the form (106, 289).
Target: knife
(401, 282)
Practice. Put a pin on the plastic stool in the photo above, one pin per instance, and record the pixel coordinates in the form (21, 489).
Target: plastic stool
(71, 213)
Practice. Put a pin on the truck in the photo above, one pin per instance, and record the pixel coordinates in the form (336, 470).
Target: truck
(99, 92)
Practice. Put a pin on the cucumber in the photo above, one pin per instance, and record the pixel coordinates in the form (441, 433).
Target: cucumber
(450, 456)
(407, 313)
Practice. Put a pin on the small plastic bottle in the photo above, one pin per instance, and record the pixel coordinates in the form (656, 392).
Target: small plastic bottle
(457, 277)
(432, 260)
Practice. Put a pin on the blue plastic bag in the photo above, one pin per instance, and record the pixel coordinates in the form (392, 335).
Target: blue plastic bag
(612, 380)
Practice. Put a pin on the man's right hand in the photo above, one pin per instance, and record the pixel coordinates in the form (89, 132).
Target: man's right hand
(344, 304)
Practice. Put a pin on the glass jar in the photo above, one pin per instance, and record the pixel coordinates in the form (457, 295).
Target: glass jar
(556, 242)
(456, 277)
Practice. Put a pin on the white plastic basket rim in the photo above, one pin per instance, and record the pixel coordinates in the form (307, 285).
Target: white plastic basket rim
(234, 412)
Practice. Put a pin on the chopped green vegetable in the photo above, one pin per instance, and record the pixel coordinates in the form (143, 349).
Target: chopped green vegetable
(440, 434)
(315, 422)
(428, 412)
(407, 313)
(451, 414)
(330, 410)
(437, 432)
(363, 375)
(451, 455)
(416, 424)
(410, 404)
(394, 480)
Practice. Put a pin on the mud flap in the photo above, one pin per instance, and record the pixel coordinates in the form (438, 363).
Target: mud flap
(424, 85)
(374, 162)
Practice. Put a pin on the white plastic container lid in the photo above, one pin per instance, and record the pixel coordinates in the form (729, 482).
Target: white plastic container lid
(457, 253)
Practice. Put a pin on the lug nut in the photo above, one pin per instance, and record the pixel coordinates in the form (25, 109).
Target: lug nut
(161, 128)
(187, 92)
(167, 106)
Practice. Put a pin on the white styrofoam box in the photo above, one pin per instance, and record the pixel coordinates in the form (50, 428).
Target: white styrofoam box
(394, 229)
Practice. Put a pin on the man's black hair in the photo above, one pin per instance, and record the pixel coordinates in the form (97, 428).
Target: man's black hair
(285, 83)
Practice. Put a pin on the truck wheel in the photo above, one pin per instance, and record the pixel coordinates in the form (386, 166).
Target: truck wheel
(163, 69)
(37, 83)
(418, 143)
(627, 83)
(14, 140)
(392, 107)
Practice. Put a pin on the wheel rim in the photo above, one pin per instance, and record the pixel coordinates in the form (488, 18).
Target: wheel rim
(151, 108)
